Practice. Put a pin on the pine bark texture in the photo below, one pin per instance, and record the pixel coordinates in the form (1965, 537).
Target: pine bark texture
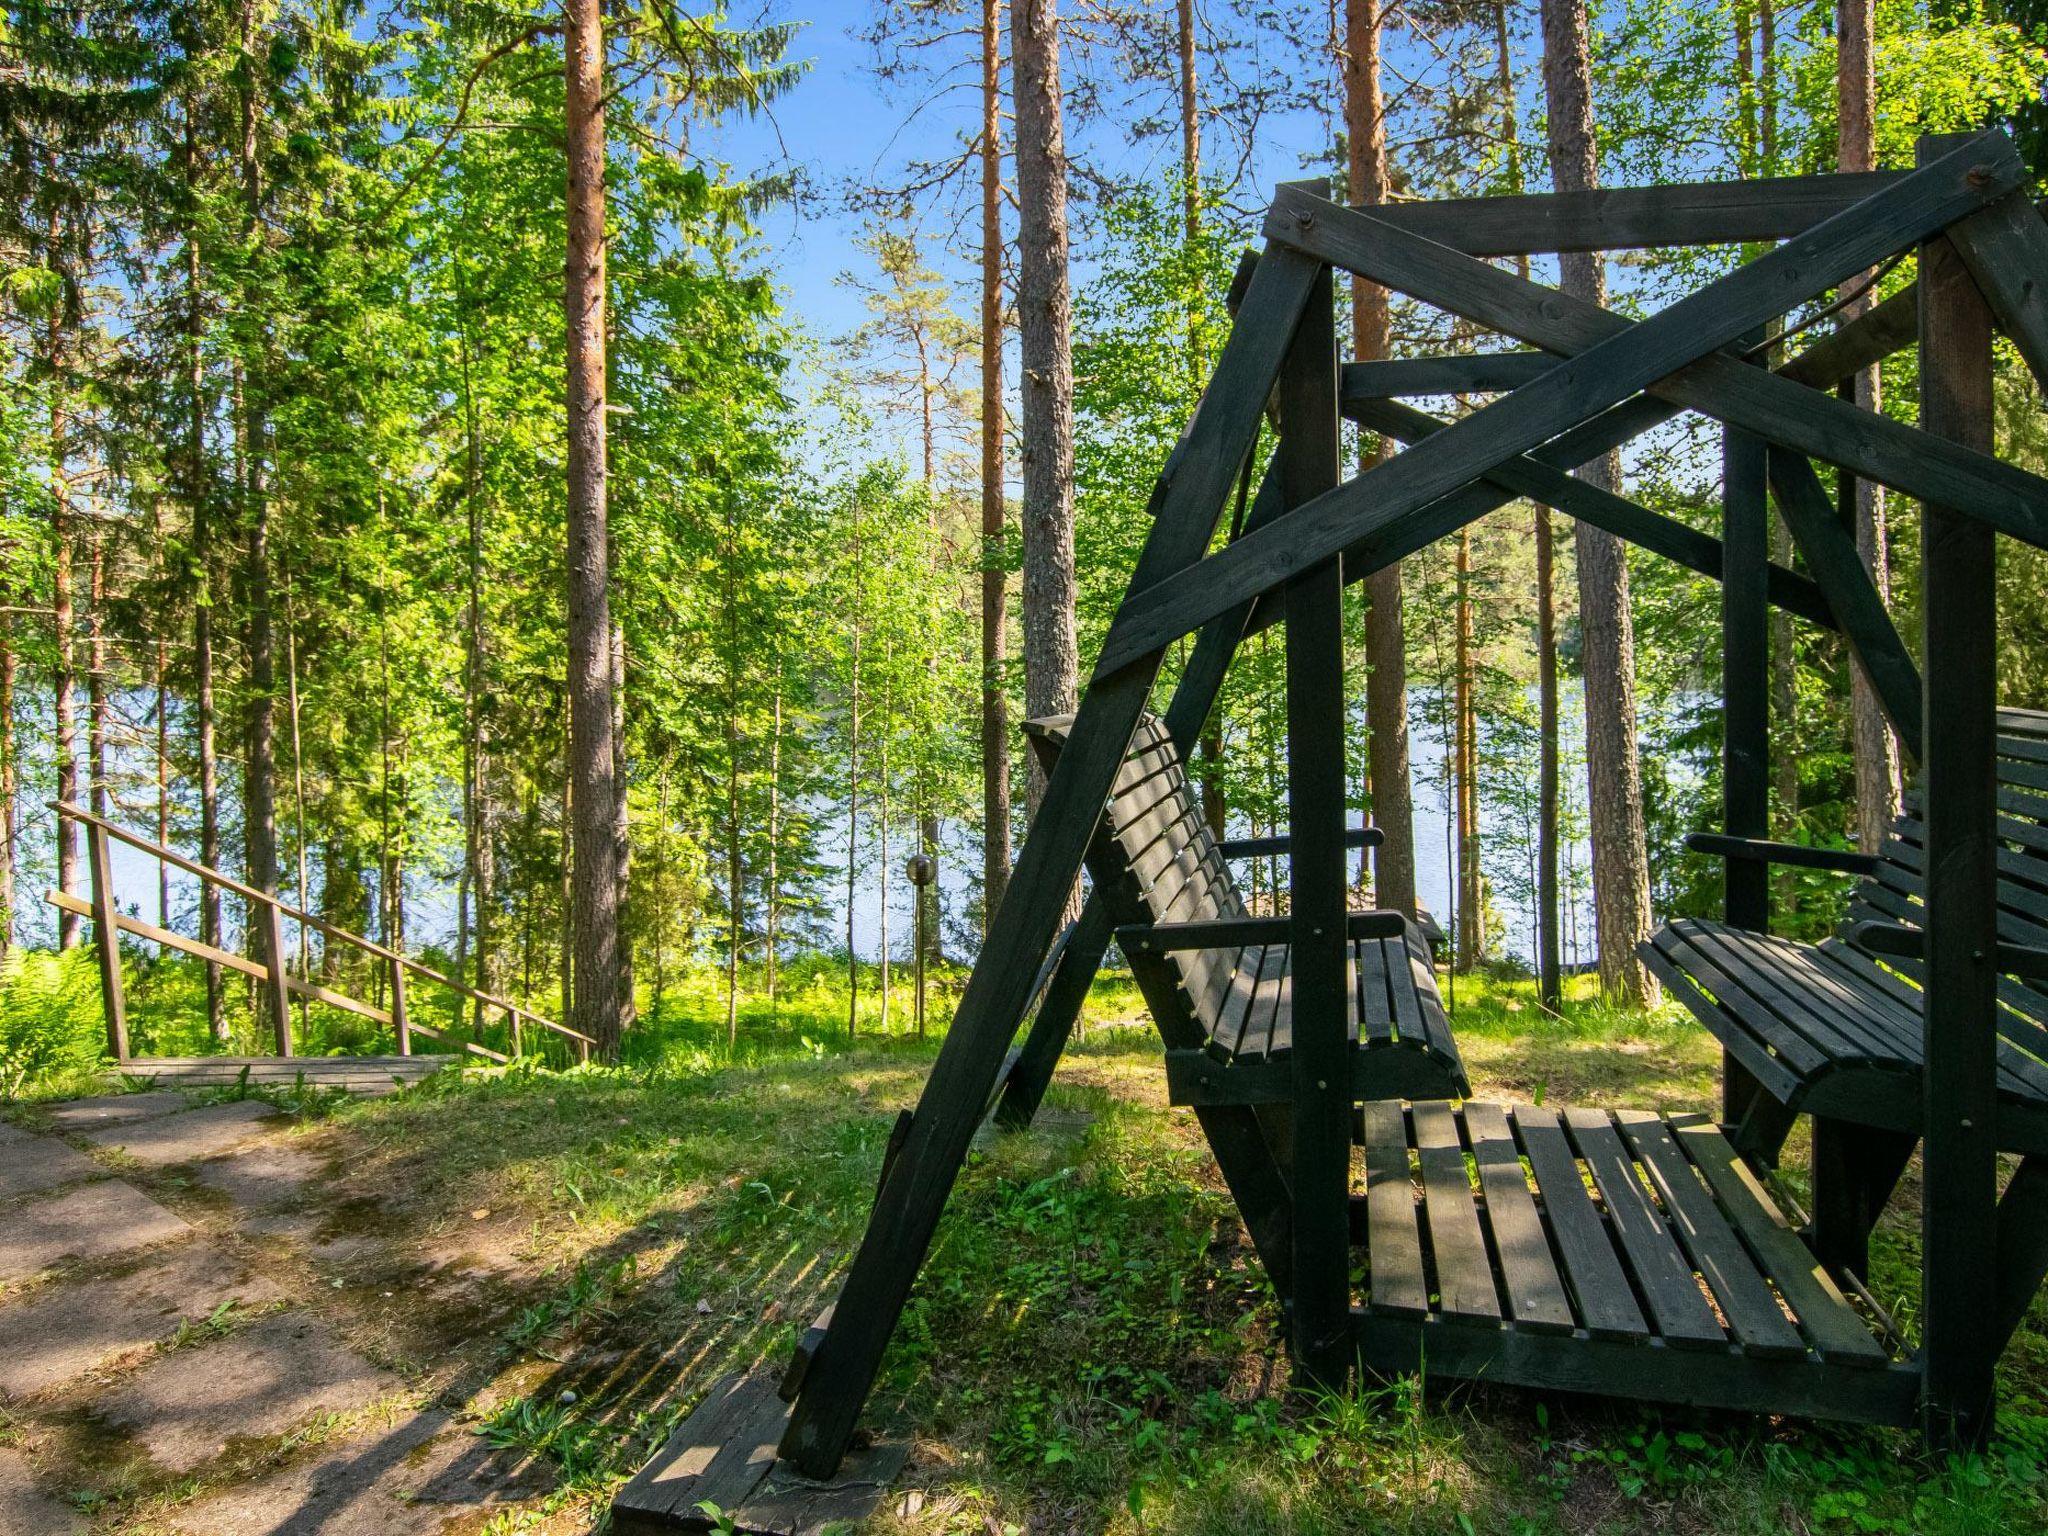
(1386, 660)
(1044, 333)
(995, 595)
(601, 1006)
(1621, 874)
(1877, 750)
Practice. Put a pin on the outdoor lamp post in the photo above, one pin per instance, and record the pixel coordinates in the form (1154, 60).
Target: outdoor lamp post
(922, 869)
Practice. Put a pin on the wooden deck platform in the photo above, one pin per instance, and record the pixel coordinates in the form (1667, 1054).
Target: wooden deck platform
(358, 1074)
(1618, 1252)
(723, 1455)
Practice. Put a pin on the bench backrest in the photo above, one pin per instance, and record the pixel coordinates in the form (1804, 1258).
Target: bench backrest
(1156, 860)
(1896, 892)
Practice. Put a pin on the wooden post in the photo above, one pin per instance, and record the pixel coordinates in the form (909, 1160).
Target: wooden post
(278, 992)
(1959, 1272)
(1309, 465)
(1746, 705)
(518, 1040)
(107, 938)
(401, 1020)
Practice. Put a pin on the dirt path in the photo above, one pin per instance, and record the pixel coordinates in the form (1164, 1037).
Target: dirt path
(203, 1333)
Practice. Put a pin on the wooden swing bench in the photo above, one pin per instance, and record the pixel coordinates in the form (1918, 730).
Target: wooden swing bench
(1219, 980)
(1835, 1029)
(1627, 1253)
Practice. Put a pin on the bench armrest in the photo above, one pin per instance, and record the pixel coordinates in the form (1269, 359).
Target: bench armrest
(1258, 847)
(1236, 932)
(2025, 960)
(1841, 860)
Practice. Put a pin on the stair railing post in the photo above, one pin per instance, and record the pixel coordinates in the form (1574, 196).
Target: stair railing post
(1959, 1223)
(278, 971)
(1309, 462)
(401, 1020)
(106, 921)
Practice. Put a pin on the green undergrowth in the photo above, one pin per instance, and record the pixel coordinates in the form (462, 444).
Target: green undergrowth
(1093, 1345)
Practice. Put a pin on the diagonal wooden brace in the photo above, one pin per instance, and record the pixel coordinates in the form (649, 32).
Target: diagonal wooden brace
(1629, 359)
(906, 1213)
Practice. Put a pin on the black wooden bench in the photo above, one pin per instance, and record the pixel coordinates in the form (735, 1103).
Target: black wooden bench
(1834, 1030)
(1217, 978)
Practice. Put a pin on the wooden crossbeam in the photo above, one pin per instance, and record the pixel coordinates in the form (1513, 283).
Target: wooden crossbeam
(1601, 375)
(1831, 554)
(1635, 218)
(2005, 247)
(907, 1208)
(1477, 373)
(1771, 406)
(1589, 503)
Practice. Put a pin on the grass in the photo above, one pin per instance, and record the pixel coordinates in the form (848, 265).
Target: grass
(1093, 1345)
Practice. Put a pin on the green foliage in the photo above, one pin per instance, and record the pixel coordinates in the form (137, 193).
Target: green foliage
(51, 1028)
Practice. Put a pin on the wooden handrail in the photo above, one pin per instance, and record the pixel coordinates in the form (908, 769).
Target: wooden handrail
(516, 1012)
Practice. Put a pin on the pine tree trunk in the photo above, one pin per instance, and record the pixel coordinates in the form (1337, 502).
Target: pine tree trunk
(96, 679)
(8, 822)
(1390, 795)
(1471, 926)
(772, 894)
(995, 709)
(293, 720)
(63, 681)
(853, 822)
(601, 1004)
(882, 818)
(160, 662)
(1044, 325)
(1877, 752)
(200, 501)
(1621, 875)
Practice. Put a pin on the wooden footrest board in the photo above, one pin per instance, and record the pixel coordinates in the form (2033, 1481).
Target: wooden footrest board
(1619, 1252)
(358, 1074)
(723, 1456)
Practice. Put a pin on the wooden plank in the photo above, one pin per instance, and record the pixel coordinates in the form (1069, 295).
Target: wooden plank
(277, 978)
(1529, 1279)
(1770, 405)
(1530, 476)
(786, 1504)
(1633, 358)
(1651, 1372)
(1318, 882)
(2005, 246)
(1830, 551)
(1464, 1272)
(1080, 957)
(718, 1455)
(65, 902)
(106, 914)
(1745, 671)
(1470, 373)
(1225, 426)
(1754, 1317)
(1632, 218)
(1607, 1306)
(1959, 1158)
(1393, 1245)
(1666, 1280)
(1832, 1325)
(1862, 343)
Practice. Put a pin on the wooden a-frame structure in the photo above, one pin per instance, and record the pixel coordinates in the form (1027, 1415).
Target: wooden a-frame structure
(1592, 381)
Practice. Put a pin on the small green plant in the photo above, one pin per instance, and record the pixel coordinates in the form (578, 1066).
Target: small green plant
(552, 1429)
